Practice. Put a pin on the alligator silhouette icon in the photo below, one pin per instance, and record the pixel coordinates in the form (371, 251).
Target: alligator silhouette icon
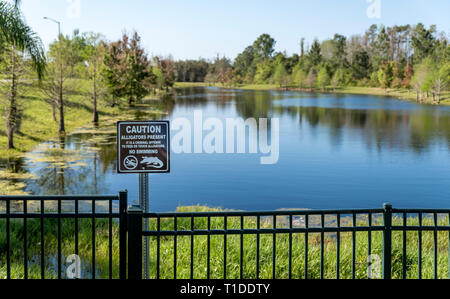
(152, 162)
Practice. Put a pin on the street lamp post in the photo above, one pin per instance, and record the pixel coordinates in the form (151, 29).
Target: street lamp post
(55, 21)
(61, 100)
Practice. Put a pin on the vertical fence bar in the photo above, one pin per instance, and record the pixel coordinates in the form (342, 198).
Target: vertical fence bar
(387, 242)
(208, 265)
(110, 237)
(306, 245)
(369, 245)
(192, 247)
(76, 226)
(258, 227)
(158, 247)
(420, 246)
(8, 239)
(338, 246)
(354, 247)
(135, 215)
(435, 245)
(123, 198)
(290, 246)
(175, 225)
(59, 239)
(449, 247)
(93, 239)
(25, 241)
(241, 250)
(42, 240)
(322, 244)
(225, 227)
(274, 250)
(404, 257)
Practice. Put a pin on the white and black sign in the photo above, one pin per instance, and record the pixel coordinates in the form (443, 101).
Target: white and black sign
(143, 146)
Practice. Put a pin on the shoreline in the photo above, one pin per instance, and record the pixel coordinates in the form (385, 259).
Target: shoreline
(400, 94)
(38, 127)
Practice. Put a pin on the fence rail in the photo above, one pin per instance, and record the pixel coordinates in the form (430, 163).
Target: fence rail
(314, 229)
(299, 244)
(47, 208)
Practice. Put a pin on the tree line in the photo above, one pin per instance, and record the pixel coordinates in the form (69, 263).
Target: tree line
(411, 57)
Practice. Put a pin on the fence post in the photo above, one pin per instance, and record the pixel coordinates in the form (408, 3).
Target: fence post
(135, 243)
(387, 242)
(123, 203)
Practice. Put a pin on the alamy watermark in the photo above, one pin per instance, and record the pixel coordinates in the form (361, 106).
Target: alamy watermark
(73, 270)
(374, 9)
(74, 9)
(374, 266)
(214, 136)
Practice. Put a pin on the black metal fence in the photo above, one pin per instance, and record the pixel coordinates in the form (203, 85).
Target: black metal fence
(25, 218)
(397, 235)
(301, 244)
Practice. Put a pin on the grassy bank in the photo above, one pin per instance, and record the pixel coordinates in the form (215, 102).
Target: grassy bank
(402, 94)
(38, 125)
(233, 250)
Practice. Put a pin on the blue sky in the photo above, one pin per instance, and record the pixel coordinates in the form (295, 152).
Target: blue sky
(205, 28)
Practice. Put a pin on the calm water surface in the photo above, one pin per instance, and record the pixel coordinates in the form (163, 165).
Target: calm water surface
(336, 151)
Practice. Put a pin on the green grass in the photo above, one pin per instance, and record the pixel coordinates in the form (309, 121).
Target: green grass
(233, 249)
(38, 125)
(50, 245)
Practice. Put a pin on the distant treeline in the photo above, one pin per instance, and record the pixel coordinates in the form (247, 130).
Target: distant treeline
(387, 57)
(122, 72)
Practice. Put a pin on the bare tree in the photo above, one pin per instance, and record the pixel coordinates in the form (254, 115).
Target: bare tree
(21, 45)
(439, 84)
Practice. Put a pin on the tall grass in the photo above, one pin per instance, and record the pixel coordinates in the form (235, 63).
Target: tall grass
(233, 249)
(17, 233)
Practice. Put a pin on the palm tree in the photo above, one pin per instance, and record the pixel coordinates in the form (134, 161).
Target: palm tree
(16, 38)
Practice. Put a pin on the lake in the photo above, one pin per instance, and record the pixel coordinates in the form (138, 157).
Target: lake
(336, 151)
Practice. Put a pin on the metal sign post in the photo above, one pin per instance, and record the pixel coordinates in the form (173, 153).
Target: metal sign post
(144, 204)
(143, 147)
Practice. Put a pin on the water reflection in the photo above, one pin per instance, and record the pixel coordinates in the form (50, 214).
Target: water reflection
(325, 141)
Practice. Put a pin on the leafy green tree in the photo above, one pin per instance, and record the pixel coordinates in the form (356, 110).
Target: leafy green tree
(264, 71)
(421, 77)
(299, 76)
(167, 66)
(311, 79)
(323, 79)
(339, 50)
(93, 55)
(338, 79)
(423, 42)
(16, 37)
(55, 86)
(315, 54)
(440, 80)
(220, 70)
(280, 76)
(244, 66)
(264, 46)
(127, 69)
(398, 74)
(361, 66)
(386, 75)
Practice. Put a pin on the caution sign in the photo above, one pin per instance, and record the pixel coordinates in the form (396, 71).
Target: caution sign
(143, 146)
